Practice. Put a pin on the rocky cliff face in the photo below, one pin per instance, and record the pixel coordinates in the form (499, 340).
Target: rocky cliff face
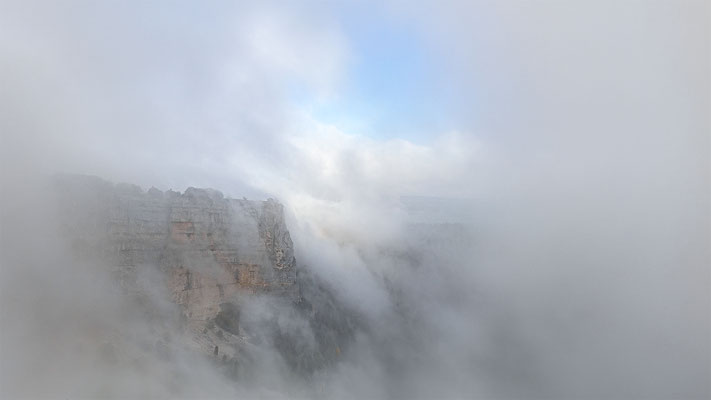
(208, 250)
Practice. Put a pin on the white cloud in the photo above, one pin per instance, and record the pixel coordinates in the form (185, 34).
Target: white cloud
(583, 130)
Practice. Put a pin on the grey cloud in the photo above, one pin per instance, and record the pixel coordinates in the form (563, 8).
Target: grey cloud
(578, 263)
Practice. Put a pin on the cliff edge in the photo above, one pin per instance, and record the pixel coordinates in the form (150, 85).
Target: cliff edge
(207, 249)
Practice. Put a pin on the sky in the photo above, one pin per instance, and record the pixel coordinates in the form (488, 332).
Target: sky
(391, 86)
(578, 134)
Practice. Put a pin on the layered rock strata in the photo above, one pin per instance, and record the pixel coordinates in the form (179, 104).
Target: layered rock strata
(208, 250)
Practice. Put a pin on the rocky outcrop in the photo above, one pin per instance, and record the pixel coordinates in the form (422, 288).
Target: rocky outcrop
(207, 249)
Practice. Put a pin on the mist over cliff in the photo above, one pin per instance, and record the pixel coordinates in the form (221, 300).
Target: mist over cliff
(458, 199)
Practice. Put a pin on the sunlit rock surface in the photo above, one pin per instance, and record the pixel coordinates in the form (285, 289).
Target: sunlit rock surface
(206, 250)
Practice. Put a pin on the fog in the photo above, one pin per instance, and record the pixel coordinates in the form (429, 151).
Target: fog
(551, 238)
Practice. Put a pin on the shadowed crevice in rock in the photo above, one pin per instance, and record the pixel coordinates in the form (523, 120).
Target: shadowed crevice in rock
(228, 318)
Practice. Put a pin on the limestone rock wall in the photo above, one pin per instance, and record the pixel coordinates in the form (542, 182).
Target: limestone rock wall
(208, 249)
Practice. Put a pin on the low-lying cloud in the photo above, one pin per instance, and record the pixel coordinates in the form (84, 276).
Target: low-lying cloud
(554, 245)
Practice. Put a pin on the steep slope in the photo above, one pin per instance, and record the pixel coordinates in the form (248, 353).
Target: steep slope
(207, 250)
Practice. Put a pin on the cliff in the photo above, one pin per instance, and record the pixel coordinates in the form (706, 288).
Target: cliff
(207, 249)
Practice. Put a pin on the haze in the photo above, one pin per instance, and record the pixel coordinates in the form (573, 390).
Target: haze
(512, 198)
